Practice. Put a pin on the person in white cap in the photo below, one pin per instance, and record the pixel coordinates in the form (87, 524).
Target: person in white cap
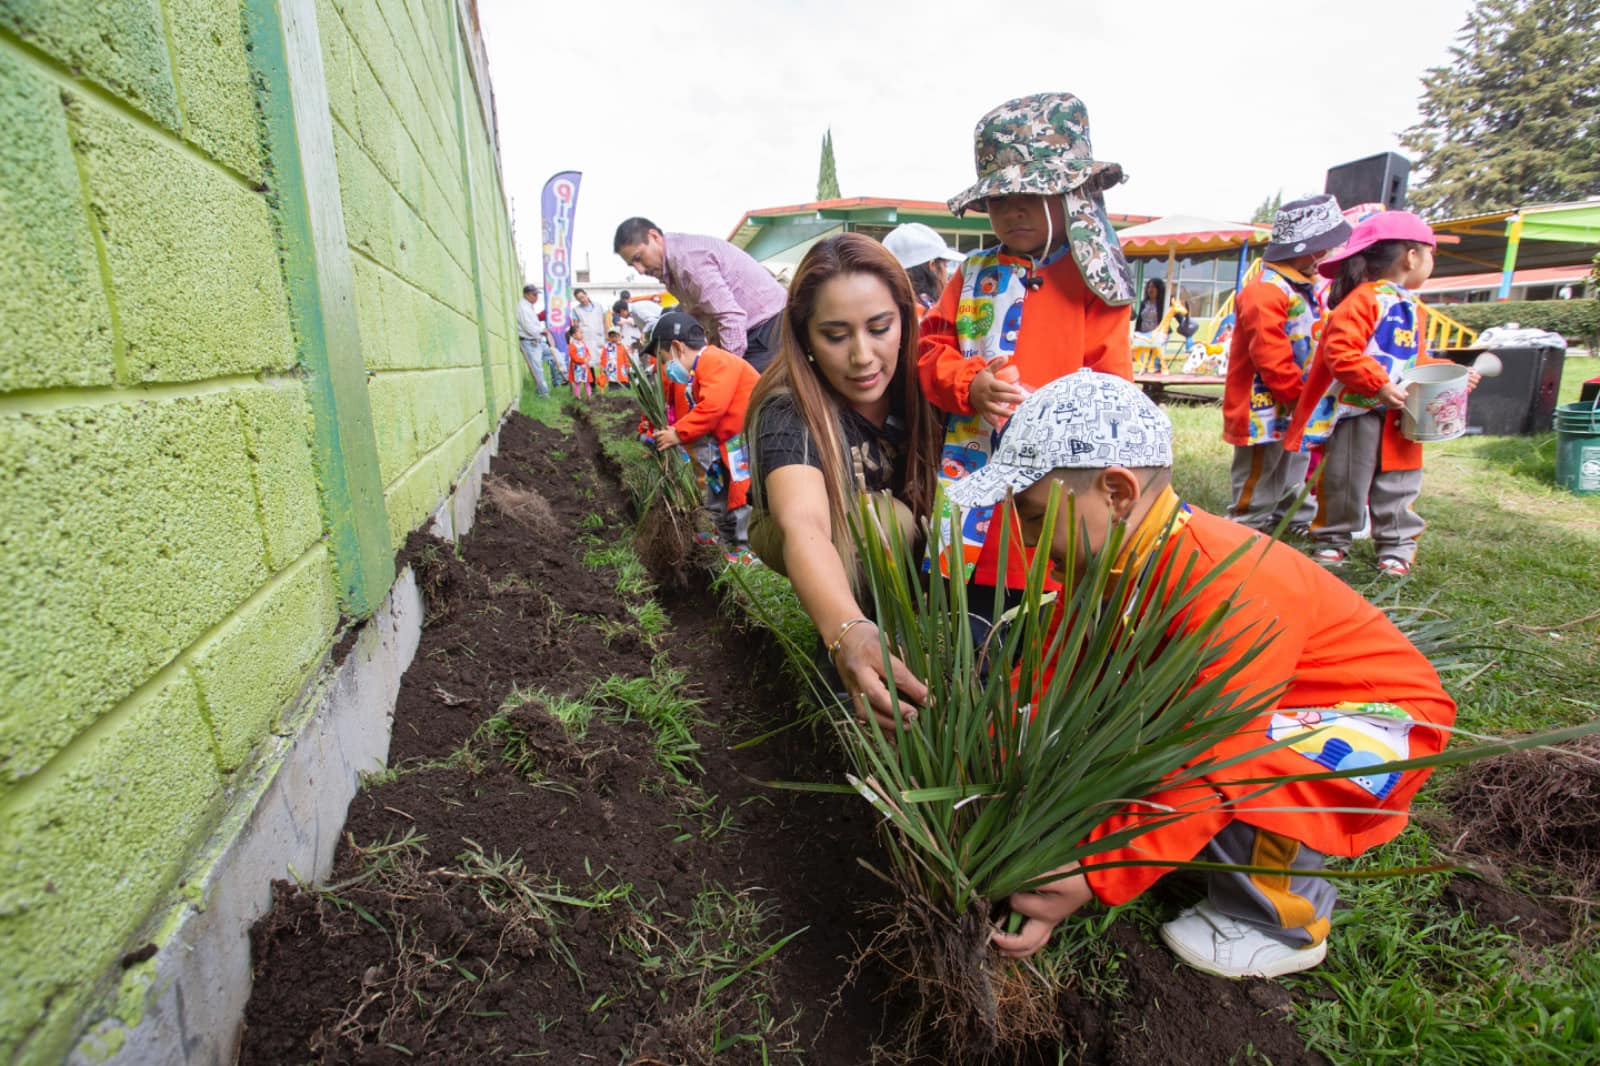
(926, 257)
(1331, 652)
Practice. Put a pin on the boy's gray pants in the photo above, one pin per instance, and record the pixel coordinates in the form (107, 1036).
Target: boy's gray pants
(1266, 481)
(733, 525)
(1350, 484)
(1291, 906)
(532, 354)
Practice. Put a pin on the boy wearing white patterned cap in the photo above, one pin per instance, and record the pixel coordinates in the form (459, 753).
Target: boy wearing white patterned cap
(1344, 669)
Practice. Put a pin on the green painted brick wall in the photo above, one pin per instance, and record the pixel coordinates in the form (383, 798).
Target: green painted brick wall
(58, 321)
(250, 671)
(90, 852)
(196, 300)
(213, 78)
(132, 529)
(162, 528)
(405, 211)
(120, 45)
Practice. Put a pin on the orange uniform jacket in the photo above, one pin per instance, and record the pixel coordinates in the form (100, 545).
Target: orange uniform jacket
(1342, 355)
(1065, 328)
(1260, 346)
(721, 387)
(1332, 646)
(618, 354)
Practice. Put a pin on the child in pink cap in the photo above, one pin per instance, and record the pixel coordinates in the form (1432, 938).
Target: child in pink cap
(1354, 392)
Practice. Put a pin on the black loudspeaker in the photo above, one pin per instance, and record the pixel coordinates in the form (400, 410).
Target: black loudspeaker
(1377, 179)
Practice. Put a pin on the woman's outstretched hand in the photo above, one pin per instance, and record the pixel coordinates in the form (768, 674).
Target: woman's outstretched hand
(859, 661)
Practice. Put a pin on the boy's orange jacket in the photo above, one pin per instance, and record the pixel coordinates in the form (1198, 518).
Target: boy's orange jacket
(1065, 328)
(1332, 646)
(1261, 348)
(721, 388)
(1342, 355)
(617, 354)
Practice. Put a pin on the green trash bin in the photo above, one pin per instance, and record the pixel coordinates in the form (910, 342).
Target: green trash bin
(1577, 428)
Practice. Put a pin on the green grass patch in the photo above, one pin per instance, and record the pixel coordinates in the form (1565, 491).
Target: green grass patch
(651, 620)
(662, 702)
(547, 409)
(1410, 978)
(712, 967)
(632, 579)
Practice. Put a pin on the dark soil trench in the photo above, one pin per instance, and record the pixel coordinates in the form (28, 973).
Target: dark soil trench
(512, 889)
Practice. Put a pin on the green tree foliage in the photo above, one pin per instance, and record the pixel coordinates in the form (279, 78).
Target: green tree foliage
(827, 176)
(1514, 117)
(1267, 209)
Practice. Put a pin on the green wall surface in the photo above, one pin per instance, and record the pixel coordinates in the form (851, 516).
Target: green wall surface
(186, 429)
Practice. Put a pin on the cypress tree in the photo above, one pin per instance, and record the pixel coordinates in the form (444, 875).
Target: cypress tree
(827, 176)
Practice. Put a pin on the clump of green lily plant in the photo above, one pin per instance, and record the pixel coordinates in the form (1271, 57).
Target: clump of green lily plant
(1079, 701)
(677, 484)
(669, 508)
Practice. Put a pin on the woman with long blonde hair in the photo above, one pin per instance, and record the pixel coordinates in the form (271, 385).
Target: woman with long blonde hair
(840, 412)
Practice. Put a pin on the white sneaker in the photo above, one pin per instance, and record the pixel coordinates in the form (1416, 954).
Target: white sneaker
(1216, 944)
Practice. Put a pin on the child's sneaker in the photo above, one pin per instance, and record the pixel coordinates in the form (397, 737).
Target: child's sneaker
(1329, 556)
(1214, 943)
(1389, 566)
(702, 537)
(743, 556)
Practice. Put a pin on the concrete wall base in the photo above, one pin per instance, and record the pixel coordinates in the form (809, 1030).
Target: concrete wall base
(286, 824)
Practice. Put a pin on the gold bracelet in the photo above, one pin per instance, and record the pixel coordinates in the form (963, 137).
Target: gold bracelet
(833, 649)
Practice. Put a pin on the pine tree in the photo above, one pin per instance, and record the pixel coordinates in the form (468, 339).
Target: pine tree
(1267, 209)
(1515, 116)
(827, 176)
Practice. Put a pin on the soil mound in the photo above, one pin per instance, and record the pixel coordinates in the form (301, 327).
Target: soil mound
(1538, 805)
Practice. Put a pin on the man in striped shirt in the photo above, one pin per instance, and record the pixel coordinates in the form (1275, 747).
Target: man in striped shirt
(734, 298)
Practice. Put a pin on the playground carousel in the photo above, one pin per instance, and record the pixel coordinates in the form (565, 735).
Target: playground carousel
(1184, 314)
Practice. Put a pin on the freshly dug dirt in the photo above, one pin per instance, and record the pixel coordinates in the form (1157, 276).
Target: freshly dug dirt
(448, 934)
(1539, 806)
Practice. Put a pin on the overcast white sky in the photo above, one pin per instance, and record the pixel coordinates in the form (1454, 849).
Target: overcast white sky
(692, 113)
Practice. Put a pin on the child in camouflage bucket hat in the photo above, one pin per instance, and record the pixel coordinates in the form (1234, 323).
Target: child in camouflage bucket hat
(1045, 300)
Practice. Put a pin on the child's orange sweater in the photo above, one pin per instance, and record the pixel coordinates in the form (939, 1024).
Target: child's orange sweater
(1065, 328)
(577, 361)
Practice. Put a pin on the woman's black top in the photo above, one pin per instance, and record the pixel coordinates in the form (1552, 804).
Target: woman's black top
(877, 453)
